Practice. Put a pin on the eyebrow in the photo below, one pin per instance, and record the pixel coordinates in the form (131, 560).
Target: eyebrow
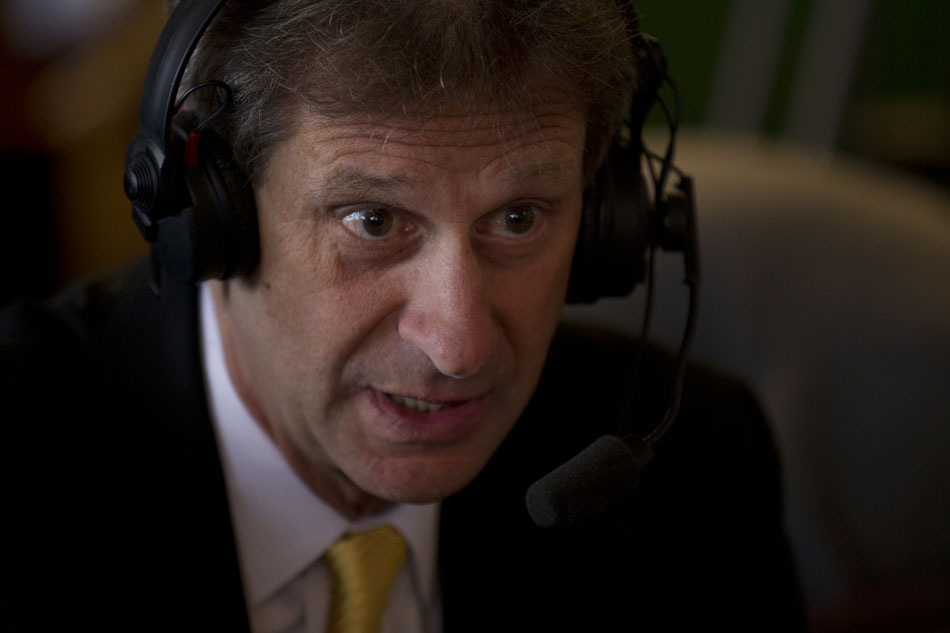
(540, 171)
(349, 181)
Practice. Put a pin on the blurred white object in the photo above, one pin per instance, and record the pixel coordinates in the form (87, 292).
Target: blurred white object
(42, 28)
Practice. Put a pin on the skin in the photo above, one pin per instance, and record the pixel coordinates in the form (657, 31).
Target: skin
(425, 257)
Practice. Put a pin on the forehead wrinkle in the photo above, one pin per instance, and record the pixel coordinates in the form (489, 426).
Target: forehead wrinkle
(531, 148)
(515, 146)
(539, 161)
(517, 140)
(458, 131)
(535, 140)
(460, 114)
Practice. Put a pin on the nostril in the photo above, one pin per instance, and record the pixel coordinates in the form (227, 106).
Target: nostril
(456, 348)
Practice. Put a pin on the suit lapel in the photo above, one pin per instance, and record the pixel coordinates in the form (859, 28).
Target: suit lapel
(499, 570)
(155, 346)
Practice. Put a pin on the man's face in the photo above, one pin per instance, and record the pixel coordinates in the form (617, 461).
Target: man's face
(412, 273)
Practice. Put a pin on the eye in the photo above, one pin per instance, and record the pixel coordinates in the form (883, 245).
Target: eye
(516, 221)
(371, 223)
(519, 220)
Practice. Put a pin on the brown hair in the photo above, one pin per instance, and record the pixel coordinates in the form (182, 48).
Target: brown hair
(382, 57)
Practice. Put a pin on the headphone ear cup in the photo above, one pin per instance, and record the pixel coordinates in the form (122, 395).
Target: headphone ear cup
(610, 256)
(214, 235)
(583, 287)
(237, 211)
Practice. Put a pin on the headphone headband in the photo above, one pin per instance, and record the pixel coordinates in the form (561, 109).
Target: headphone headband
(167, 66)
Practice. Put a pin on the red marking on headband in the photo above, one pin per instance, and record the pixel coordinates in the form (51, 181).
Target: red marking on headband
(191, 150)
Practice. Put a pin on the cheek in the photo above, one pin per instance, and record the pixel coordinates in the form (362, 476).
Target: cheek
(530, 302)
(279, 311)
(311, 310)
(544, 284)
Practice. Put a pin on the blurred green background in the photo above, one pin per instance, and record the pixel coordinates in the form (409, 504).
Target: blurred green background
(874, 75)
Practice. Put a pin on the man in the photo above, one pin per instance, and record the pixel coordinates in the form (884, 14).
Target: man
(418, 174)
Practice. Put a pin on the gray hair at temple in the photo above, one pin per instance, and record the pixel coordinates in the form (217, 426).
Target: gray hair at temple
(380, 57)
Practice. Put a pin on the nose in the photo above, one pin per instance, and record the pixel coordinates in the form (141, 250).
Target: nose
(448, 313)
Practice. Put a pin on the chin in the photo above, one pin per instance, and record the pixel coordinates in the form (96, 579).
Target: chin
(420, 479)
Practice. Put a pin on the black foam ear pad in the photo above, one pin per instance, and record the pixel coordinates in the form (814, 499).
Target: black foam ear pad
(610, 256)
(214, 235)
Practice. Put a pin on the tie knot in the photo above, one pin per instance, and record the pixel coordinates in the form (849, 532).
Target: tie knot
(363, 566)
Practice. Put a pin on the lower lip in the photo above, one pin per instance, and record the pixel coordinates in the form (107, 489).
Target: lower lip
(407, 426)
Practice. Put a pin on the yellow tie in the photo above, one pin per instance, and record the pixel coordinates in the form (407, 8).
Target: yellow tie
(362, 567)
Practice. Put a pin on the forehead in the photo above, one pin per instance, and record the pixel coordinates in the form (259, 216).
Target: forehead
(547, 137)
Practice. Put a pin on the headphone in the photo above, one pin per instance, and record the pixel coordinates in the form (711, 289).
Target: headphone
(190, 201)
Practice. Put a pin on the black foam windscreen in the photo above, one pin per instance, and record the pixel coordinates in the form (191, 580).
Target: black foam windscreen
(605, 471)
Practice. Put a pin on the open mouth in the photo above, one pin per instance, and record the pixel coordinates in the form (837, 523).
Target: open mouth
(415, 404)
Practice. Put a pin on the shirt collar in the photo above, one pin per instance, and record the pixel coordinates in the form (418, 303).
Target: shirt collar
(280, 525)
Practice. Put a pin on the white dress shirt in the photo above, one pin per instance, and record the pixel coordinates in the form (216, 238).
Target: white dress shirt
(282, 528)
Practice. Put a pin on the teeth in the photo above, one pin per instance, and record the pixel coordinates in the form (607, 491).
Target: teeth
(416, 404)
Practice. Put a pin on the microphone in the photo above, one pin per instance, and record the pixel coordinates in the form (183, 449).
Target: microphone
(603, 472)
(610, 468)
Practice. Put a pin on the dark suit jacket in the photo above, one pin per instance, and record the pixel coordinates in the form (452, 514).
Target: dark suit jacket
(117, 512)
